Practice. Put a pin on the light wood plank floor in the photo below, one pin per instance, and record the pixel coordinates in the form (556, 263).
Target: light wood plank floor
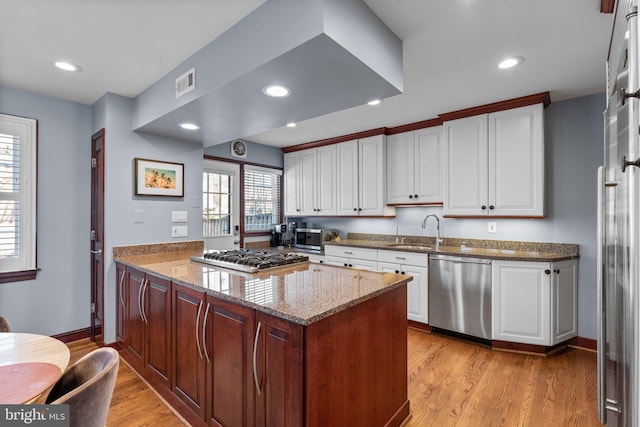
(451, 383)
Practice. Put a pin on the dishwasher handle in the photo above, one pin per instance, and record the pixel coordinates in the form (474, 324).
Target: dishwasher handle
(462, 259)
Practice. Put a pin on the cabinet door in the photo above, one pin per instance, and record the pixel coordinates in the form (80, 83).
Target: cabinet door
(121, 305)
(327, 178)
(521, 299)
(466, 177)
(189, 374)
(292, 184)
(336, 261)
(417, 289)
(400, 168)
(228, 337)
(279, 372)
(157, 311)
(308, 173)
(372, 176)
(347, 191)
(516, 162)
(564, 301)
(427, 158)
(135, 322)
(363, 264)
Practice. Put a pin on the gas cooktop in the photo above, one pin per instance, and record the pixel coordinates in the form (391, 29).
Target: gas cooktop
(249, 261)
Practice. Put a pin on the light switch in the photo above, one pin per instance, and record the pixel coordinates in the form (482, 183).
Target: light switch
(179, 231)
(492, 227)
(179, 216)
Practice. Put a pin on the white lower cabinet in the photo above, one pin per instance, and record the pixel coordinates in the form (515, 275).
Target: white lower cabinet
(413, 264)
(315, 258)
(347, 256)
(534, 302)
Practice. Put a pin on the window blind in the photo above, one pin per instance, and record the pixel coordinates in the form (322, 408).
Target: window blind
(261, 198)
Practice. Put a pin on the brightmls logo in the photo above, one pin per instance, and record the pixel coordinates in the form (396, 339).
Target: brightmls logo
(34, 415)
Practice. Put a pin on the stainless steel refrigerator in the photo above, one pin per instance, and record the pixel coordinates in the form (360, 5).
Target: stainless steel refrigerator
(619, 229)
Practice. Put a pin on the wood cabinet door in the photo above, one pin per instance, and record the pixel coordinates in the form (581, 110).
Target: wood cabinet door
(347, 158)
(372, 175)
(326, 180)
(400, 168)
(121, 305)
(157, 312)
(428, 162)
(279, 373)
(516, 162)
(228, 332)
(292, 184)
(189, 374)
(466, 176)
(308, 173)
(417, 289)
(521, 302)
(135, 322)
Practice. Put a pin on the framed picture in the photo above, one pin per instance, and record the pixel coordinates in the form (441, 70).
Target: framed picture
(158, 178)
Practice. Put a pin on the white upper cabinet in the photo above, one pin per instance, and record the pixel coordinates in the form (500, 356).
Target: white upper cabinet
(310, 179)
(495, 164)
(414, 172)
(362, 177)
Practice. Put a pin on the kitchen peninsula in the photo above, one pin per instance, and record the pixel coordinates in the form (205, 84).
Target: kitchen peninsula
(301, 345)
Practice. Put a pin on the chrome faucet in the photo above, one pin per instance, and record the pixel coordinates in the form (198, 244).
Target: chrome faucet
(438, 237)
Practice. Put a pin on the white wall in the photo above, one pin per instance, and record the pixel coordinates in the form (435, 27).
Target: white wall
(58, 299)
(574, 149)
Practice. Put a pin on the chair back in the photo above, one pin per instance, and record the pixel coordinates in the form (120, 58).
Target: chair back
(87, 387)
(4, 325)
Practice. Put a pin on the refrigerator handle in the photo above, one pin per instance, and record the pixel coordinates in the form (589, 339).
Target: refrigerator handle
(601, 281)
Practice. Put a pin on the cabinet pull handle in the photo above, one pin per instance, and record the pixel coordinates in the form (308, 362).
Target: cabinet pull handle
(557, 271)
(197, 336)
(255, 352)
(204, 333)
(400, 257)
(124, 272)
(348, 253)
(140, 299)
(144, 292)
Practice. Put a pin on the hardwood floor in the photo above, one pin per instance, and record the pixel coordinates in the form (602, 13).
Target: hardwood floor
(451, 383)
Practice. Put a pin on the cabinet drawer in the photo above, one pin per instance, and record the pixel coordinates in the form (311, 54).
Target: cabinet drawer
(404, 258)
(351, 252)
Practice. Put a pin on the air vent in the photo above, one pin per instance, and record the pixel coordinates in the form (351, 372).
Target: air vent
(186, 82)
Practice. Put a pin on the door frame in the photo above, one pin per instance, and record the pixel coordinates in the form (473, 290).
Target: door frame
(97, 227)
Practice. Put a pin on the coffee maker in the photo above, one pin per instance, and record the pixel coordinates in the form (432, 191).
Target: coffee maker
(278, 235)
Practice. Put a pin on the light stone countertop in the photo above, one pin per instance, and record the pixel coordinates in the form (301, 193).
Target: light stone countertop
(302, 294)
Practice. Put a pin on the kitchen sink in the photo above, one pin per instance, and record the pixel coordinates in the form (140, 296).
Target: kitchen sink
(410, 247)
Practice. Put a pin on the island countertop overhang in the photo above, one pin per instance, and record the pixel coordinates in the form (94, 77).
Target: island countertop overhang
(301, 294)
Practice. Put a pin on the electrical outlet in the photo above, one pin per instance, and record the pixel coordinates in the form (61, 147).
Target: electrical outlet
(179, 231)
(492, 227)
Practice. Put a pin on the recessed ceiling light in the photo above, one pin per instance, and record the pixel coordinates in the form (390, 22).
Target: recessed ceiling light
(510, 62)
(277, 91)
(189, 126)
(291, 125)
(374, 102)
(66, 66)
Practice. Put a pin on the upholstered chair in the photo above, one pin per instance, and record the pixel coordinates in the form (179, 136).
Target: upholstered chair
(87, 387)
(4, 325)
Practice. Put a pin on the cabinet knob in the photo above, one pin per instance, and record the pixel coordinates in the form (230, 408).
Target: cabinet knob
(491, 207)
(557, 271)
(346, 265)
(359, 209)
(298, 210)
(415, 196)
(397, 271)
(350, 265)
(547, 272)
(402, 272)
(483, 207)
(355, 209)
(410, 196)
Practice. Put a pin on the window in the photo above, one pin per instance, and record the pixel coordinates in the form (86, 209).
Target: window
(216, 203)
(17, 197)
(261, 198)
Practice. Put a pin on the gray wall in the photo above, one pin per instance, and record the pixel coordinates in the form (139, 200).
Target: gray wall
(574, 150)
(122, 207)
(58, 299)
(256, 153)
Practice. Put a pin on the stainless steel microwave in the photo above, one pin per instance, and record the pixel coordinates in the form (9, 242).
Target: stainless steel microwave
(314, 238)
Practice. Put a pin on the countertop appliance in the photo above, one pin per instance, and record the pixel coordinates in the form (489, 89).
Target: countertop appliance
(249, 261)
(460, 295)
(619, 231)
(314, 238)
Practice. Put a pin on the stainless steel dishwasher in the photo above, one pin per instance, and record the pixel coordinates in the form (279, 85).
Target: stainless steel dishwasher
(460, 294)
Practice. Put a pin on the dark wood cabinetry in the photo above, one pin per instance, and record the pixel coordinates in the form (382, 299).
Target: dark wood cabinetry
(122, 303)
(134, 285)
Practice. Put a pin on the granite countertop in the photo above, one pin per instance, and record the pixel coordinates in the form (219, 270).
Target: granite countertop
(489, 249)
(302, 294)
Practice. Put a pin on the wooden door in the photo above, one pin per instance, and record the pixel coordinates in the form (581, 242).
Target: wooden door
(229, 339)
(97, 236)
(135, 322)
(188, 378)
(157, 311)
(279, 372)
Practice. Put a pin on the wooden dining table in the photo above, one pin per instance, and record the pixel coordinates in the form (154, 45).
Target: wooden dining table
(29, 365)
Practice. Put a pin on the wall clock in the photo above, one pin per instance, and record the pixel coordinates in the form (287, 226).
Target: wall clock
(239, 149)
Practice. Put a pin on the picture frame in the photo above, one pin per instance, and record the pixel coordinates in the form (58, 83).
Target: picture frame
(158, 178)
